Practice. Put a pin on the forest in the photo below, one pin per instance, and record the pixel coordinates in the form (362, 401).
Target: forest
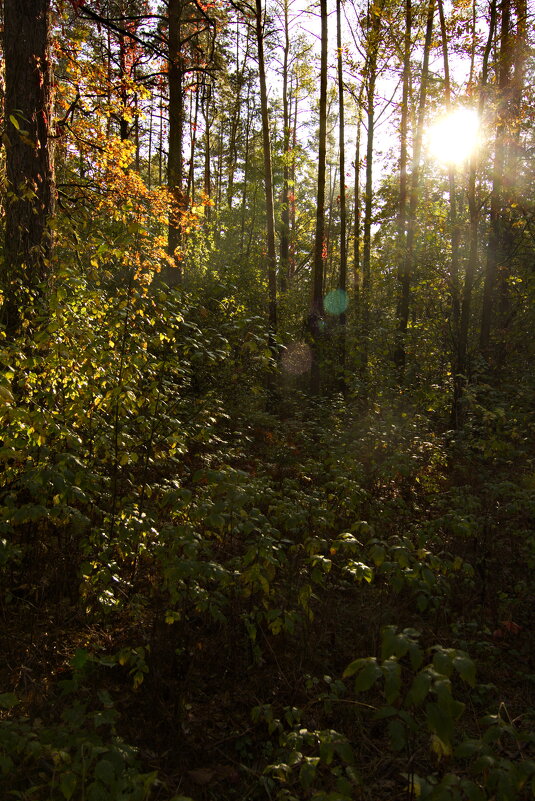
(267, 400)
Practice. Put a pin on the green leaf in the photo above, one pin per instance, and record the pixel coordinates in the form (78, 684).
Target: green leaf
(397, 734)
(466, 668)
(80, 659)
(14, 121)
(392, 673)
(105, 772)
(67, 785)
(419, 689)
(442, 661)
(8, 700)
(367, 675)
(439, 723)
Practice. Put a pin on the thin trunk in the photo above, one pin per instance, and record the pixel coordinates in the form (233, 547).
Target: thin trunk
(454, 224)
(149, 163)
(30, 158)
(268, 179)
(123, 94)
(245, 172)
(207, 174)
(495, 244)
(160, 149)
(471, 264)
(190, 192)
(399, 353)
(357, 238)
(172, 274)
(342, 282)
(285, 205)
(316, 313)
(373, 51)
(408, 265)
(292, 198)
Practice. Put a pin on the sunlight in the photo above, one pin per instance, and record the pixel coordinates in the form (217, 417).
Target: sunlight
(451, 139)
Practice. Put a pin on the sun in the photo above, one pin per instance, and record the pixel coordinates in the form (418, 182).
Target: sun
(453, 138)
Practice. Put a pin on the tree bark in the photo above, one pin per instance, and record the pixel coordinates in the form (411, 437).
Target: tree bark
(495, 244)
(408, 262)
(371, 79)
(268, 179)
(342, 281)
(285, 208)
(472, 261)
(172, 275)
(315, 320)
(29, 155)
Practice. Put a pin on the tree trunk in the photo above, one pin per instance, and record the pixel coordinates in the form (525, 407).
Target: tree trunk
(315, 320)
(29, 155)
(471, 264)
(172, 275)
(286, 156)
(342, 282)
(371, 76)
(356, 223)
(268, 180)
(408, 262)
(495, 244)
(399, 353)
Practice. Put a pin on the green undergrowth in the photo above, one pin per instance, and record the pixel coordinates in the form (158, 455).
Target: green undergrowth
(204, 599)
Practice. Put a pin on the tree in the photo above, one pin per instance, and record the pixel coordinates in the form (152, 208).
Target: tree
(30, 199)
(268, 176)
(342, 282)
(315, 319)
(408, 254)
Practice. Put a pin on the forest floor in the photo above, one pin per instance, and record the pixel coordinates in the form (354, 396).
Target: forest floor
(386, 543)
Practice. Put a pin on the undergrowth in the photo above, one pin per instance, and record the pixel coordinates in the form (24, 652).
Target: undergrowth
(204, 599)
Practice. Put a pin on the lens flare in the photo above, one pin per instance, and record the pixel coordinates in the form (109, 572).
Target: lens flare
(335, 302)
(453, 138)
(297, 358)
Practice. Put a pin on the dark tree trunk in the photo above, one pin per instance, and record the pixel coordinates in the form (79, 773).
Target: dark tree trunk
(399, 354)
(172, 275)
(29, 155)
(472, 261)
(285, 206)
(268, 179)
(316, 312)
(495, 242)
(342, 280)
(408, 262)
(371, 76)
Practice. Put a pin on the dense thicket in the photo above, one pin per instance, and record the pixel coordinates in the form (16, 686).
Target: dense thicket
(267, 477)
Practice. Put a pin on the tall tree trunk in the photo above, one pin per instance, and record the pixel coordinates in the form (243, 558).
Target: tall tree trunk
(342, 282)
(315, 319)
(399, 353)
(207, 172)
(268, 179)
(356, 223)
(292, 197)
(286, 156)
(472, 261)
(371, 79)
(29, 157)
(408, 262)
(454, 224)
(172, 275)
(495, 243)
(194, 121)
(512, 174)
(235, 119)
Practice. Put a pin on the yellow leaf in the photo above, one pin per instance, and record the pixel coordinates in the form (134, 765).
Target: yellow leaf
(5, 396)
